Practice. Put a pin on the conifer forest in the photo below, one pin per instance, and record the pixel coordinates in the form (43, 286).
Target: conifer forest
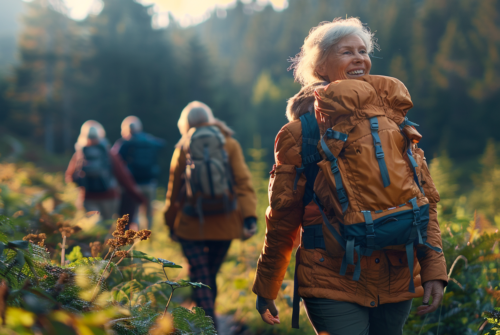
(62, 271)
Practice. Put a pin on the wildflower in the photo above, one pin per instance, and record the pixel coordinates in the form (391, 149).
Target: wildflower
(143, 234)
(122, 223)
(124, 237)
(95, 248)
(66, 229)
(38, 239)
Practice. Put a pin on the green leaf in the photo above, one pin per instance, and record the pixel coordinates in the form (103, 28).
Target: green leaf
(171, 283)
(2, 248)
(164, 262)
(142, 255)
(20, 258)
(183, 283)
(192, 322)
(18, 245)
(168, 264)
(75, 254)
(40, 293)
(31, 266)
(192, 284)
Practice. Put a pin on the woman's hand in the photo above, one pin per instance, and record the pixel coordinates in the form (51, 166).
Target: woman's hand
(268, 311)
(434, 288)
(249, 228)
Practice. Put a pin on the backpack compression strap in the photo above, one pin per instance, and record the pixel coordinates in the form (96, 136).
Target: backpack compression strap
(379, 152)
(415, 236)
(310, 139)
(341, 193)
(414, 164)
(407, 122)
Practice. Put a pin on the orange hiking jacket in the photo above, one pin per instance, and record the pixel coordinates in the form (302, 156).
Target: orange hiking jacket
(385, 275)
(216, 227)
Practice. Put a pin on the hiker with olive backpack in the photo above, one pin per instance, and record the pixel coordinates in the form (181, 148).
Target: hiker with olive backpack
(210, 199)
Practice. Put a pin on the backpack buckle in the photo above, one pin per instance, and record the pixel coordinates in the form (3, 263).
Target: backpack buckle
(335, 169)
(370, 241)
(374, 124)
(379, 152)
(342, 196)
(416, 213)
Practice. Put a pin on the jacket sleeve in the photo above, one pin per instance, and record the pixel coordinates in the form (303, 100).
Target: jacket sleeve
(115, 149)
(177, 167)
(247, 200)
(124, 177)
(70, 171)
(433, 263)
(283, 216)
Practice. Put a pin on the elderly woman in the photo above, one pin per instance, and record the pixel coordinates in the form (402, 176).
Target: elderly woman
(208, 160)
(373, 293)
(99, 172)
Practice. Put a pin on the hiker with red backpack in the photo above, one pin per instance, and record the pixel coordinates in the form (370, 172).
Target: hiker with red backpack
(210, 198)
(98, 173)
(350, 176)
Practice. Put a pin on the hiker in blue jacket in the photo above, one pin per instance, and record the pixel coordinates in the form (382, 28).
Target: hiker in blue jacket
(140, 152)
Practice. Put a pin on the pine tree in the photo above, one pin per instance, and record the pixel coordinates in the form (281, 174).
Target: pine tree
(40, 94)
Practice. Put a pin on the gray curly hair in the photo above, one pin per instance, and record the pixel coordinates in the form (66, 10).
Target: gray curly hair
(319, 43)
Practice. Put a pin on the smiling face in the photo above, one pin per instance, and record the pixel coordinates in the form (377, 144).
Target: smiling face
(348, 60)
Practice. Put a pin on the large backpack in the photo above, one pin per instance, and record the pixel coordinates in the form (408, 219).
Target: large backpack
(209, 182)
(370, 170)
(96, 169)
(141, 156)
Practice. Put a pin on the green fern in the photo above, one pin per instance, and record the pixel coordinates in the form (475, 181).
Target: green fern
(192, 322)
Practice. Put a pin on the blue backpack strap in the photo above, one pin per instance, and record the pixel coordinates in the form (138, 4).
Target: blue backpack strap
(409, 257)
(413, 167)
(379, 152)
(370, 230)
(407, 122)
(341, 193)
(310, 155)
(332, 230)
(413, 163)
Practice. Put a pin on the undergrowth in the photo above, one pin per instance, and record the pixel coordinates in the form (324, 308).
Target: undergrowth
(135, 292)
(96, 287)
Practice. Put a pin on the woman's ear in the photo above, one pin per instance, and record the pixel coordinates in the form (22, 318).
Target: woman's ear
(320, 72)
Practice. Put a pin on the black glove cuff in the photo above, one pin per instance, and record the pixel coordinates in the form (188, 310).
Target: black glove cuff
(249, 222)
(263, 304)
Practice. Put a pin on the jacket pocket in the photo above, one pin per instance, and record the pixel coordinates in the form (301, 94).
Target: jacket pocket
(282, 193)
(399, 272)
(326, 274)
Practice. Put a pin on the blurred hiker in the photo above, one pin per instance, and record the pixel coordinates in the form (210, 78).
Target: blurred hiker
(98, 172)
(140, 152)
(350, 176)
(210, 198)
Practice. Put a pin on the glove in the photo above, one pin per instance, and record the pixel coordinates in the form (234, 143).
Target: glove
(267, 309)
(249, 227)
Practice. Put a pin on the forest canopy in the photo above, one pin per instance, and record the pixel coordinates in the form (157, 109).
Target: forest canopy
(115, 63)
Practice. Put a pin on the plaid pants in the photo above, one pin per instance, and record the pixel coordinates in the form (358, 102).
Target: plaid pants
(205, 259)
